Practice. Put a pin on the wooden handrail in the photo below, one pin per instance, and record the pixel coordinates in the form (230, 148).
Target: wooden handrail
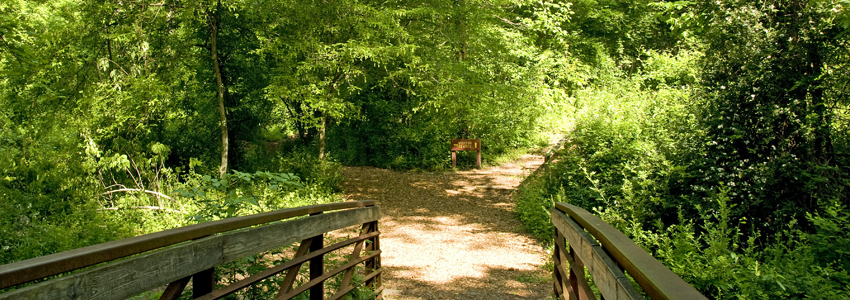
(547, 159)
(193, 251)
(655, 279)
(548, 155)
(43, 266)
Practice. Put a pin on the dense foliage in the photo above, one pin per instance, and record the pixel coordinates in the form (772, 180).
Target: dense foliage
(776, 103)
(715, 133)
(724, 156)
(114, 108)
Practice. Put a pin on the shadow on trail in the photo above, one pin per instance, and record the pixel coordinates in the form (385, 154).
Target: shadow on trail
(453, 235)
(467, 198)
(473, 287)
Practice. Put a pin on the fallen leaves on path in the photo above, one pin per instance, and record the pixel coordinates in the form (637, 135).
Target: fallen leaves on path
(453, 235)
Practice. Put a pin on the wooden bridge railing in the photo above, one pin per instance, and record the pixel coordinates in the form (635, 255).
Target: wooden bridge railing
(606, 261)
(177, 256)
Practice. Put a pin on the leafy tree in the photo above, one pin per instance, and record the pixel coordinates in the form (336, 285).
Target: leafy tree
(470, 72)
(771, 114)
(324, 54)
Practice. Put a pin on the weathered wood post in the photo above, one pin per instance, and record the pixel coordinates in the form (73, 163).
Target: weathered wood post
(317, 265)
(374, 264)
(203, 283)
(466, 145)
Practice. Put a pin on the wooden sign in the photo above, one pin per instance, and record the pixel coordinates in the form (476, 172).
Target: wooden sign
(466, 145)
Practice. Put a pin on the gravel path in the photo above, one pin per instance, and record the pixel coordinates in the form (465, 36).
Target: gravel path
(453, 235)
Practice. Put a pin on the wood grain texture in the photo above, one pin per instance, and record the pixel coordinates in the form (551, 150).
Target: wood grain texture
(321, 279)
(609, 279)
(656, 280)
(43, 266)
(137, 274)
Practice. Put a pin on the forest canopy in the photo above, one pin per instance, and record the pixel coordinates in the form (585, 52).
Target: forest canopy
(122, 107)
(708, 131)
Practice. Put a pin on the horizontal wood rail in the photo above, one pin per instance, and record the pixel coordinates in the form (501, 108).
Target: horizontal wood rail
(177, 256)
(606, 261)
(549, 154)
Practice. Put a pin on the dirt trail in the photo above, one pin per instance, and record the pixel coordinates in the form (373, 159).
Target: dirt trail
(454, 235)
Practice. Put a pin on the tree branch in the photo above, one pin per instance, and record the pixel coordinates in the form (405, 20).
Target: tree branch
(509, 21)
(145, 208)
(136, 190)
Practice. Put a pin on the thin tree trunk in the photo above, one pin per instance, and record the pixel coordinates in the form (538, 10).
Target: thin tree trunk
(220, 91)
(297, 113)
(322, 125)
(462, 31)
(823, 126)
(323, 115)
(109, 49)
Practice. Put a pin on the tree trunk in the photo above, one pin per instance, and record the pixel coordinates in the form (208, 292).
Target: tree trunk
(823, 151)
(297, 113)
(463, 35)
(109, 49)
(322, 125)
(220, 89)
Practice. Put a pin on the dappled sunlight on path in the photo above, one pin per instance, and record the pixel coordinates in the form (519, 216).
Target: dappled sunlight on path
(453, 235)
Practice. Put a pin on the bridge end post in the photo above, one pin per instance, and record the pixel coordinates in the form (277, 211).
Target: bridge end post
(317, 265)
(374, 264)
(560, 289)
(203, 283)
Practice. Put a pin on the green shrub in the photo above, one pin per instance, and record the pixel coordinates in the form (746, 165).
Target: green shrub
(533, 209)
(400, 131)
(709, 254)
(23, 236)
(633, 159)
(313, 171)
(622, 151)
(237, 193)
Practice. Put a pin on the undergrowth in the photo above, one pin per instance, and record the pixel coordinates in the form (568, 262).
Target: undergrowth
(632, 159)
(150, 197)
